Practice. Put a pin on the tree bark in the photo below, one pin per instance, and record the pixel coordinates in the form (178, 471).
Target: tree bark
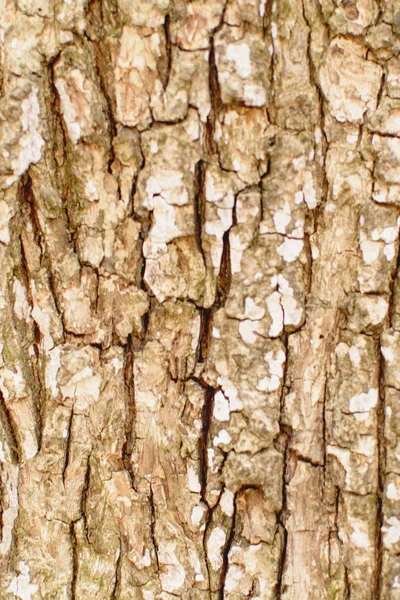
(200, 300)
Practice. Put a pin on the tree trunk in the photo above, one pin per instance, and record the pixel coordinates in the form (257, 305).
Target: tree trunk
(200, 302)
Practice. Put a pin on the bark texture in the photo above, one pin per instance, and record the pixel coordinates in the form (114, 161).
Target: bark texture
(199, 299)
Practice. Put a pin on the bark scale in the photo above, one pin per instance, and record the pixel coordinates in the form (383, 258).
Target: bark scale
(199, 299)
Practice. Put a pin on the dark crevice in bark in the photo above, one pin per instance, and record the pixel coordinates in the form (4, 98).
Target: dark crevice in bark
(68, 446)
(84, 497)
(346, 582)
(75, 560)
(381, 89)
(165, 73)
(130, 413)
(225, 553)
(284, 447)
(206, 319)
(9, 430)
(216, 103)
(380, 436)
(225, 274)
(153, 527)
(199, 203)
(118, 568)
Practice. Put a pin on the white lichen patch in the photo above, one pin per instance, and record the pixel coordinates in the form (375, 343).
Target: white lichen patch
(237, 247)
(248, 330)
(215, 544)
(5, 216)
(392, 492)
(21, 305)
(388, 353)
(169, 185)
(84, 387)
(275, 364)
(291, 249)
(21, 586)
(226, 503)
(282, 218)
(252, 310)
(240, 55)
(222, 438)
(193, 480)
(359, 536)
(221, 410)
(370, 251)
(391, 531)
(52, 368)
(282, 306)
(231, 392)
(361, 404)
(30, 142)
(355, 356)
(349, 81)
(197, 514)
(276, 313)
(172, 574)
(10, 501)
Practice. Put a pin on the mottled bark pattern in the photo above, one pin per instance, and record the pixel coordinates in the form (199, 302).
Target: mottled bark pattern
(199, 299)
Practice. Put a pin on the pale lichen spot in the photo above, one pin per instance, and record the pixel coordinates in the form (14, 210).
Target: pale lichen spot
(172, 577)
(290, 249)
(254, 94)
(30, 142)
(252, 311)
(361, 404)
(226, 503)
(215, 544)
(387, 353)
(276, 313)
(392, 531)
(221, 410)
(359, 538)
(370, 251)
(21, 586)
(222, 438)
(240, 55)
(210, 457)
(396, 583)
(231, 392)
(355, 356)
(248, 330)
(298, 197)
(193, 480)
(153, 147)
(21, 305)
(10, 502)
(197, 514)
(389, 251)
(52, 368)
(309, 192)
(392, 493)
(261, 9)
(275, 364)
(282, 218)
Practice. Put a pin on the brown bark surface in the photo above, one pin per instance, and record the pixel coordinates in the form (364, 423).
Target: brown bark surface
(199, 299)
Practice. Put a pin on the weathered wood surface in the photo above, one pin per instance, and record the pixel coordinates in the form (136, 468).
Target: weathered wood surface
(199, 299)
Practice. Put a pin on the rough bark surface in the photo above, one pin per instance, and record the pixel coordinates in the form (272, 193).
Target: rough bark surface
(199, 299)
